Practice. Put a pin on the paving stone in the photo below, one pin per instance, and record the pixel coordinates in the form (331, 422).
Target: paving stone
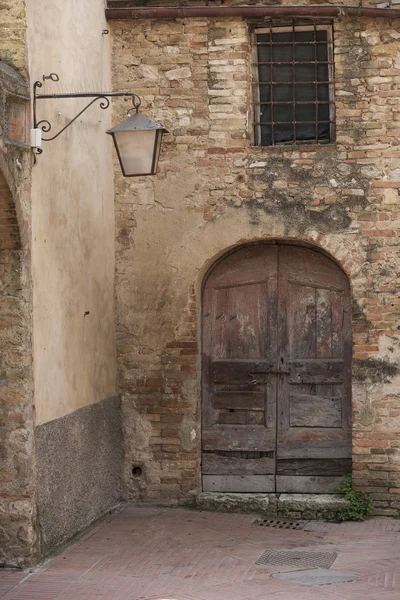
(227, 502)
(174, 554)
(313, 577)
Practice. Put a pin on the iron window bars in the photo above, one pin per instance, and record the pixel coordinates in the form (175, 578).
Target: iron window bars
(293, 83)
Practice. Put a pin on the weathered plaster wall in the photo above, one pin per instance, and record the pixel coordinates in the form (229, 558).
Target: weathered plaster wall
(77, 415)
(214, 192)
(72, 214)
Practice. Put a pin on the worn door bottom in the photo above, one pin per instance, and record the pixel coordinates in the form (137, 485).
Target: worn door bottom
(239, 483)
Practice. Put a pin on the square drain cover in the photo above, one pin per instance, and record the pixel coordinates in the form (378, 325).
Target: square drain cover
(297, 558)
(281, 523)
(316, 577)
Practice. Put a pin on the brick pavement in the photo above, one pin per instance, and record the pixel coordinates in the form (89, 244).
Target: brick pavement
(173, 554)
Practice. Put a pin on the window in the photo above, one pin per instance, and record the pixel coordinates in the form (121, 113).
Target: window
(293, 84)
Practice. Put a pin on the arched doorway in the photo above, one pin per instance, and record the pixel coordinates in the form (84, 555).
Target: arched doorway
(276, 372)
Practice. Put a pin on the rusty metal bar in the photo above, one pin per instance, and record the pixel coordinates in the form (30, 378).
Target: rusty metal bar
(298, 62)
(316, 81)
(271, 78)
(288, 82)
(249, 12)
(293, 80)
(298, 102)
(289, 122)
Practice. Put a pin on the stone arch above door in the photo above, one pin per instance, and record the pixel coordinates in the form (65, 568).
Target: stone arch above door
(276, 372)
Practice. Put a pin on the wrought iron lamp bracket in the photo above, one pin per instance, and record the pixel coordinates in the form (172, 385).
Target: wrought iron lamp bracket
(102, 97)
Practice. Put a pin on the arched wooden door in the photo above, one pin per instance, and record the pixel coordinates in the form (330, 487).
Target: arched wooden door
(276, 372)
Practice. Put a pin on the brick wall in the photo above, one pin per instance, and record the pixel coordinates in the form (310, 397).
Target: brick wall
(213, 192)
(9, 233)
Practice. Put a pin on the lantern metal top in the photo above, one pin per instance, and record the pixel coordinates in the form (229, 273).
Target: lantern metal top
(136, 122)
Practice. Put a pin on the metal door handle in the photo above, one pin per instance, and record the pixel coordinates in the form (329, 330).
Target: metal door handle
(256, 382)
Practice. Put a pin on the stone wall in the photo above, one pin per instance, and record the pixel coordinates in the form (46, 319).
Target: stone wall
(17, 470)
(215, 192)
(13, 28)
(17, 476)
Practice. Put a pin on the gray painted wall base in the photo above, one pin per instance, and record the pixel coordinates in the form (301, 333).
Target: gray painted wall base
(294, 506)
(79, 460)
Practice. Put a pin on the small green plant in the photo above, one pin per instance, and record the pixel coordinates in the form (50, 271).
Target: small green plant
(397, 514)
(359, 504)
(281, 510)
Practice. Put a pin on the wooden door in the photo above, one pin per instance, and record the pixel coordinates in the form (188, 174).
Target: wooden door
(276, 372)
(314, 397)
(239, 345)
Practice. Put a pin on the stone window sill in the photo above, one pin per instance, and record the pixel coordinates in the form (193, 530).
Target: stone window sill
(294, 148)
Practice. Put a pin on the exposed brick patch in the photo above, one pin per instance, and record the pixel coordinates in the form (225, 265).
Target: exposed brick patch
(9, 232)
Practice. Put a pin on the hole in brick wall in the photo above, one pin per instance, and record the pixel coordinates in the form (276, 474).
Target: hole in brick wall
(136, 471)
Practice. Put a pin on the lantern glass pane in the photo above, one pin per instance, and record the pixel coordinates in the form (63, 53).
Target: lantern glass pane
(158, 149)
(136, 150)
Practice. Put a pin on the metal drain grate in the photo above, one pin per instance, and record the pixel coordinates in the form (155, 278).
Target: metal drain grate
(281, 523)
(297, 558)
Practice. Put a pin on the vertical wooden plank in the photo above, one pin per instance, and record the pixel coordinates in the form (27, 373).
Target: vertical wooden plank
(208, 415)
(284, 324)
(323, 323)
(246, 321)
(219, 321)
(302, 317)
(323, 333)
(271, 336)
(337, 324)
